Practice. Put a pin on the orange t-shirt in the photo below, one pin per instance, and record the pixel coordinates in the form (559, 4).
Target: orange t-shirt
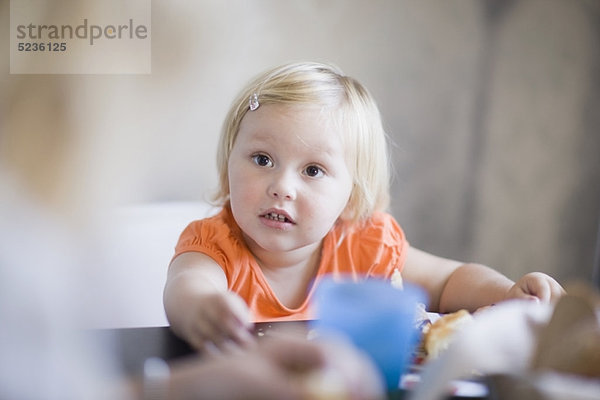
(372, 249)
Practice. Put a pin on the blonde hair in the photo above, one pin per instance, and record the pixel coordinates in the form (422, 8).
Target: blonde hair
(351, 106)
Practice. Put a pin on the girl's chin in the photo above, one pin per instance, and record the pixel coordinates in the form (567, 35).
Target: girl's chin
(265, 244)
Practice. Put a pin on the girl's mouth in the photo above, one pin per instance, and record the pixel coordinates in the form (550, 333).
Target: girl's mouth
(277, 217)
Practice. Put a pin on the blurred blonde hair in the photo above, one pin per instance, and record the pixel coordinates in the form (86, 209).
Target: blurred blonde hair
(350, 105)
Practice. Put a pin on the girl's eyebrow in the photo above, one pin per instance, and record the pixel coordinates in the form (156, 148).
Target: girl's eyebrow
(261, 135)
(326, 149)
(259, 139)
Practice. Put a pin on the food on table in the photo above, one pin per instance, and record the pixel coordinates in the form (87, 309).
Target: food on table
(438, 335)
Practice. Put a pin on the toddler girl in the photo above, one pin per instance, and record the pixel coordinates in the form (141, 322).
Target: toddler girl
(304, 185)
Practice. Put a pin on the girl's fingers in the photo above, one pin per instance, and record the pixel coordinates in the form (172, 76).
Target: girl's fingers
(222, 328)
(222, 322)
(237, 323)
(541, 290)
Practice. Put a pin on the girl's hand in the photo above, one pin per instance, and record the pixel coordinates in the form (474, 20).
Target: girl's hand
(536, 286)
(219, 323)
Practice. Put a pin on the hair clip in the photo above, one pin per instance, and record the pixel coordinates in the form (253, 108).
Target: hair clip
(253, 102)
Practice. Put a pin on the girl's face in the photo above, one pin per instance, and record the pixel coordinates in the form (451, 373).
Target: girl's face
(288, 178)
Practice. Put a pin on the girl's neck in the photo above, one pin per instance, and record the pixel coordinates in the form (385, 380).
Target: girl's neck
(289, 273)
(281, 261)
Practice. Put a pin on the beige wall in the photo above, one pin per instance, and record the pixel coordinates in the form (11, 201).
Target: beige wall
(492, 107)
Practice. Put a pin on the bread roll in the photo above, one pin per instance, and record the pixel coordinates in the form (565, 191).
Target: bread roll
(438, 336)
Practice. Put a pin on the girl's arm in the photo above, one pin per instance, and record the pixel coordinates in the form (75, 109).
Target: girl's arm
(453, 285)
(199, 307)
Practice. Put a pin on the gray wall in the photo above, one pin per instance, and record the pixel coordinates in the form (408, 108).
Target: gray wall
(498, 157)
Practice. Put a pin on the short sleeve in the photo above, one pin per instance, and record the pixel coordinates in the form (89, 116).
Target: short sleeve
(374, 248)
(384, 242)
(213, 236)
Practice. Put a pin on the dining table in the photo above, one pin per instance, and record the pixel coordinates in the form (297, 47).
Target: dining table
(134, 346)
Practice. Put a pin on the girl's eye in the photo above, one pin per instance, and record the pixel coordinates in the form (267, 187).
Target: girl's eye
(262, 160)
(313, 171)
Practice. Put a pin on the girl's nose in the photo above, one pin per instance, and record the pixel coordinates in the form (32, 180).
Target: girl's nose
(282, 187)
